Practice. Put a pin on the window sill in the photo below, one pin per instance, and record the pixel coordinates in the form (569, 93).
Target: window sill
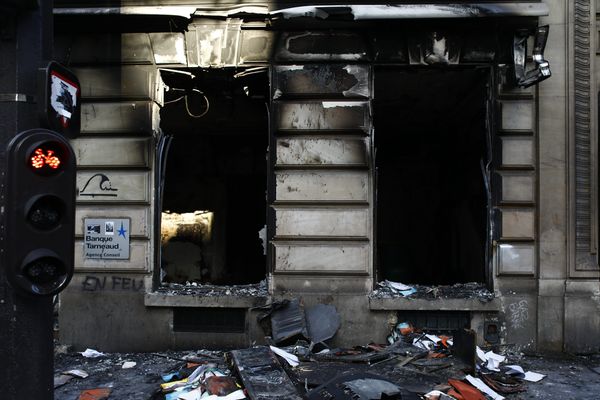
(441, 304)
(156, 299)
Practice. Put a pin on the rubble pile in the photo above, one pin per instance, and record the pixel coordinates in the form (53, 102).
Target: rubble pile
(299, 364)
(198, 289)
(471, 290)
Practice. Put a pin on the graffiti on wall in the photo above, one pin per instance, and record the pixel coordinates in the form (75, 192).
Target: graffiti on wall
(93, 283)
(519, 313)
(98, 185)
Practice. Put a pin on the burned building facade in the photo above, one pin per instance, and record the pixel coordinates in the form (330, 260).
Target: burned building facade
(238, 153)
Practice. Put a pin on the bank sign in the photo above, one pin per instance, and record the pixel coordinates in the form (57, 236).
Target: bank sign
(106, 238)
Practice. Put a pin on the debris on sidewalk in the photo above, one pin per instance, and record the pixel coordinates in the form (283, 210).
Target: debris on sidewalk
(60, 380)
(95, 394)
(288, 357)
(518, 372)
(290, 321)
(66, 376)
(349, 386)
(262, 375)
(413, 364)
(323, 321)
(91, 353)
(128, 364)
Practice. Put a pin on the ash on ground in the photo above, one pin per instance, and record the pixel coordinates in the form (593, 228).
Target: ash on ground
(197, 289)
(471, 290)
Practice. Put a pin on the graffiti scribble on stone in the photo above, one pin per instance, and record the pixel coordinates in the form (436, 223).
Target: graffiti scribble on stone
(519, 313)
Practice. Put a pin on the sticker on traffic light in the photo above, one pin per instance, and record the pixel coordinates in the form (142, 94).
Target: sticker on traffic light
(60, 95)
(40, 212)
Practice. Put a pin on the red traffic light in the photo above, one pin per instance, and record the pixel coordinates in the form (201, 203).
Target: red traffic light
(41, 158)
(47, 158)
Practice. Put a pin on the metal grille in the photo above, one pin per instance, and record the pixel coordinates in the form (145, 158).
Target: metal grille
(215, 320)
(436, 320)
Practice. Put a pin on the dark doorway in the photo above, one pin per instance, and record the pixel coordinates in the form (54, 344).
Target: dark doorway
(213, 222)
(431, 143)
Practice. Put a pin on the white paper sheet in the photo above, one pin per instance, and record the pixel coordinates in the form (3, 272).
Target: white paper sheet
(237, 395)
(528, 376)
(533, 376)
(191, 395)
(290, 358)
(478, 383)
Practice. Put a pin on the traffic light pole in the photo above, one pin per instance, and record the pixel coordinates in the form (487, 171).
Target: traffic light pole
(26, 340)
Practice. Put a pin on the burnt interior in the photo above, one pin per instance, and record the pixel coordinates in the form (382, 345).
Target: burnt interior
(214, 201)
(431, 140)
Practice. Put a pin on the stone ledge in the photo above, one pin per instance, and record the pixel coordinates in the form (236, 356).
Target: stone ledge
(433, 305)
(186, 300)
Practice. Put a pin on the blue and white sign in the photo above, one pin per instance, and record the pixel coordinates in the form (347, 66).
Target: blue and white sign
(106, 238)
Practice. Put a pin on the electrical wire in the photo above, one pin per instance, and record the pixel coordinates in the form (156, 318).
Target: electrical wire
(174, 101)
(187, 107)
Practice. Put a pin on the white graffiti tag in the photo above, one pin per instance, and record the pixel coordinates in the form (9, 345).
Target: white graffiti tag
(519, 313)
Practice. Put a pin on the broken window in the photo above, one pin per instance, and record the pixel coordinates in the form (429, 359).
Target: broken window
(213, 199)
(431, 151)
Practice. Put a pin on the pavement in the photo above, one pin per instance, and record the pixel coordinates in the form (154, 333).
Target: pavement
(566, 376)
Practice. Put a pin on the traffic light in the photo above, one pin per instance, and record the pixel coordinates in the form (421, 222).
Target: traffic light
(40, 212)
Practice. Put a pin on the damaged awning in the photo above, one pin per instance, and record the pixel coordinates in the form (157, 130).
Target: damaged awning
(416, 11)
(357, 12)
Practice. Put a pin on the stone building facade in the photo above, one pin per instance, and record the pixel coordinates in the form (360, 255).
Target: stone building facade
(322, 149)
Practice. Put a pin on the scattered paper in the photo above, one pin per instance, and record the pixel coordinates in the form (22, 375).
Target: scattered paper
(437, 395)
(481, 354)
(237, 395)
(423, 344)
(518, 372)
(433, 338)
(478, 383)
(290, 358)
(128, 364)
(174, 395)
(533, 376)
(91, 353)
(191, 395)
(490, 359)
(79, 373)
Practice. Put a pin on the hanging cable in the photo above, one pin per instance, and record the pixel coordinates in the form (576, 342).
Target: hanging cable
(187, 107)
(173, 101)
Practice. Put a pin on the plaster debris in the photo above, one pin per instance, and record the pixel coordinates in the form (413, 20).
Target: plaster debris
(128, 364)
(472, 290)
(91, 353)
(207, 290)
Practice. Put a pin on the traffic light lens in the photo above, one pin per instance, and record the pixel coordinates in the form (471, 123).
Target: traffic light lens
(42, 158)
(46, 213)
(47, 158)
(44, 270)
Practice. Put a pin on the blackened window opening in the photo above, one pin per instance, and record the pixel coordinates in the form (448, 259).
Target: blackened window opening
(214, 203)
(430, 139)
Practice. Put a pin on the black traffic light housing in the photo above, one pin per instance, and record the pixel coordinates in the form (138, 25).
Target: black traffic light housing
(40, 212)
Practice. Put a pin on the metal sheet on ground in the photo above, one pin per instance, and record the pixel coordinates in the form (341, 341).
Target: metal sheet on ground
(262, 375)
